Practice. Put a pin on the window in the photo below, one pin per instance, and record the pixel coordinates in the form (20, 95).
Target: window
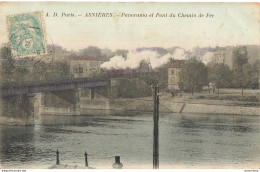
(172, 71)
(80, 70)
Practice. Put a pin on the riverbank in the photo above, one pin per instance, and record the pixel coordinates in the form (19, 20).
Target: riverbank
(203, 103)
(146, 106)
(227, 103)
(16, 120)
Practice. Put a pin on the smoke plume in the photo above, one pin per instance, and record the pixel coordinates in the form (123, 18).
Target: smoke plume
(134, 58)
(207, 57)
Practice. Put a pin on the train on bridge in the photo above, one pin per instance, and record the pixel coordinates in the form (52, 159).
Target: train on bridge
(126, 73)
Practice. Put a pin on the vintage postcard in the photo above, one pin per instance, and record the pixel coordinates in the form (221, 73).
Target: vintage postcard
(109, 85)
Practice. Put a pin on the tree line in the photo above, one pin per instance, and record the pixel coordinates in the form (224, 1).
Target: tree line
(194, 74)
(34, 71)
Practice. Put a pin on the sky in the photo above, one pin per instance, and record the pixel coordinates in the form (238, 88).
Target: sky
(232, 24)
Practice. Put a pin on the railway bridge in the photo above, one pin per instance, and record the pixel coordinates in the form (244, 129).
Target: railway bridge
(26, 102)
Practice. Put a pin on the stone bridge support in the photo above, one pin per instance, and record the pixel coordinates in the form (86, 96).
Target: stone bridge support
(76, 103)
(17, 109)
(92, 93)
(59, 102)
(95, 93)
(70, 102)
(38, 106)
(1, 106)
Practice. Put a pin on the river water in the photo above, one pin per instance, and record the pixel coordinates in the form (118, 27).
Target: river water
(187, 140)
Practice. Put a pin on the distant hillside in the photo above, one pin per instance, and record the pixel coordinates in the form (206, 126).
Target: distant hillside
(159, 50)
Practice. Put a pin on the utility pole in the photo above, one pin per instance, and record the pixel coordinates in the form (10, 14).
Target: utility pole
(156, 128)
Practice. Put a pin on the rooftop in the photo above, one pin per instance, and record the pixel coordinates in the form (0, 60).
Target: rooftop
(175, 64)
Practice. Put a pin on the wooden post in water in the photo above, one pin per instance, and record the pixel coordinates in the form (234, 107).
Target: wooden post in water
(86, 159)
(156, 129)
(117, 164)
(57, 158)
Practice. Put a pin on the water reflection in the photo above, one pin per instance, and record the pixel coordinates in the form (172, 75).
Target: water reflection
(218, 122)
(187, 139)
(17, 143)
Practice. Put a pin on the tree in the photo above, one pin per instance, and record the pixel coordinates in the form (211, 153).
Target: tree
(121, 52)
(133, 87)
(250, 75)
(255, 75)
(5, 53)
(220, 76)
(57, 70)
(193, 76)
(106, 54)
(6, 65)
(240, 57)
(155, 78)
(240, 73)
(20, 75)
(91, 51)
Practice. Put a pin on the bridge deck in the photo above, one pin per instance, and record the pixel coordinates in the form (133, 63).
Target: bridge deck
(72, 84)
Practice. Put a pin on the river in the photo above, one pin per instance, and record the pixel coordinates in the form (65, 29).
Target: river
(185, 140)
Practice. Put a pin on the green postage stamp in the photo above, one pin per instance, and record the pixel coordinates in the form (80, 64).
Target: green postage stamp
(27, 35)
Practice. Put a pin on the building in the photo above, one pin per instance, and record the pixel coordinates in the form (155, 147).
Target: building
(223, 55)
(84, 67)
(219, 55)
(174, 68)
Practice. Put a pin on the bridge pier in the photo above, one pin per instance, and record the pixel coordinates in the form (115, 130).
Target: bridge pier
(17, 110)
(92, 93)
(56, 103)
(76, 103)
(38, 106)
(1, 106)
(107, 107)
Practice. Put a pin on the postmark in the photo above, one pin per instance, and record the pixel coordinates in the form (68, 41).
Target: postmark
(27, 35)
(27, 41)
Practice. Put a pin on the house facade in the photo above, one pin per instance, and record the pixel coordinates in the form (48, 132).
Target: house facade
(84, 67)
(219, 55)
(174, 69)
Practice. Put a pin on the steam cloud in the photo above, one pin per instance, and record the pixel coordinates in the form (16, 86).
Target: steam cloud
(207, 57)
(134, 58)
